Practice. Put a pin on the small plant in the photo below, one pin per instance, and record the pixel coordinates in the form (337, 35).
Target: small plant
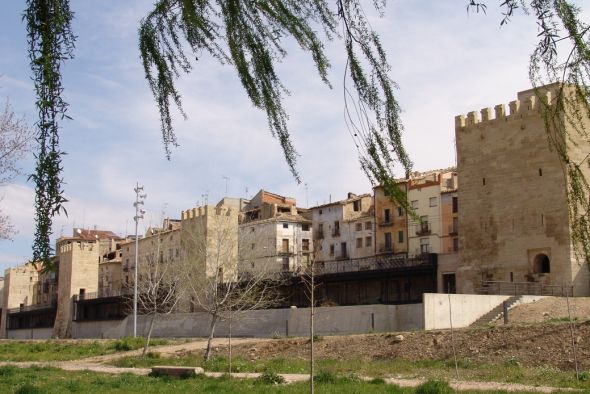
(325, 377)
(434, 387)
(512, 362)
(584, 376)
(316, 338)
(377, 381)
(152, 355)
(270, 378)
(28, 388)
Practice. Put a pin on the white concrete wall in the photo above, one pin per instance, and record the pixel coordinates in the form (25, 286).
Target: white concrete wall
(267, 323)
(466, 308)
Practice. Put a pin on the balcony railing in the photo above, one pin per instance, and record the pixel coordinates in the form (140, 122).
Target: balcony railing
(104, 294)
(385, 222)
(524, 288)
(424, 229)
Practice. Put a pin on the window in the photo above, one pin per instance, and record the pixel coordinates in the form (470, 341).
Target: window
(359, 243)
(331, 249)
(305, 227)
(540, 172)
(424, 224)
(170, 254)
(252, 229)
(455, 244)
(336, 230)
(400, 212)
(483, 181)
(368, 241)
(387, 241)
(252, 264)
(252, 246)
(455, 204)
(424, 245)
(368, 226)
(320, 211)
(285, 225)
(286, 265)
(387, 215)
(415, 204)
(356, 205)
(285, 245)
(321, 229)
(541, 264)
(359, 227)
(400, 237)
(305, 244)
(432, 201)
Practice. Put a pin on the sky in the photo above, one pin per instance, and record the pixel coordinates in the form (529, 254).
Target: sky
(444, 60)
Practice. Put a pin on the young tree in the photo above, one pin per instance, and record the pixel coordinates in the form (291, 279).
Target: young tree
(159, 288)
(15, 142)
(214, 279)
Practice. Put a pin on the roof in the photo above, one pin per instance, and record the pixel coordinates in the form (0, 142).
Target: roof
(352, 198)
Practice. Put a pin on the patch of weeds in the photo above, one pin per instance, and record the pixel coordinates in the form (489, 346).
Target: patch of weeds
(512, 362)
(584, 376)
(316, 338)
(377, 381)
(7, 370)
(434, 387)
(270, 378)
(153, 355)
(325, 377)
(352, 378)
(74, 386)
(29, 388)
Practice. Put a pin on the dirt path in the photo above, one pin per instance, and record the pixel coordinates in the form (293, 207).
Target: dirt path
(290, 378)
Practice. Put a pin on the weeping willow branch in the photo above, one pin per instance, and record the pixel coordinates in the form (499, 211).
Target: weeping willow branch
(51, 42)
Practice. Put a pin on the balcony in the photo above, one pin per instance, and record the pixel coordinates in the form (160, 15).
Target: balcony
(385, 248)
(453, 230)
(336, 232)
(424, 229)
(386, 222)
(287, 250)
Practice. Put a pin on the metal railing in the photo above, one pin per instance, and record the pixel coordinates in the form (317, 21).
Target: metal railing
(423, 229)
(375, 263)
(104, 294)
(35, 307)
(525, 288)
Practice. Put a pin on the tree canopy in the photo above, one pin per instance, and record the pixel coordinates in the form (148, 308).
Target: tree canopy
(250, 36)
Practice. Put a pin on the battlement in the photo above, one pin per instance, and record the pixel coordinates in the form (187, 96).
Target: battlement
(77, 245)
(205, 211)
(527, 105)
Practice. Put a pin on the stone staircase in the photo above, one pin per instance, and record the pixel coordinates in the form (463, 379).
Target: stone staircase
(495, 313)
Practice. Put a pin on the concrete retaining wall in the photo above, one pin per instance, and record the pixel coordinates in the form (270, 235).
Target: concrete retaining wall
(466, 308)
(30, 333)
(267, 323)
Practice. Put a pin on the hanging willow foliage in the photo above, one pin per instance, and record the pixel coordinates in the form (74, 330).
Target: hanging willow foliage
(51, 42)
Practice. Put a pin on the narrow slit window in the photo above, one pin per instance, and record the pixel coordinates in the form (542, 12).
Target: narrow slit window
(540, 172)
(484, 181)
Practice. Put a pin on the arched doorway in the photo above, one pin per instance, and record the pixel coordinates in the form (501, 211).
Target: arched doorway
(541, 264)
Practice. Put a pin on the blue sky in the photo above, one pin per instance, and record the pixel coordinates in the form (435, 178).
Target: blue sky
(445, 61)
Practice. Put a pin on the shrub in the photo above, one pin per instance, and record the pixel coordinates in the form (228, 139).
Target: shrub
(434, 387)
(270, 377)
(28, 388)
(325, 377)
(7, 370)
(377, 381)
(152, 355)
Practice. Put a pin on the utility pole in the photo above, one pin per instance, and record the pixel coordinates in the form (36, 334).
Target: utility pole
(139, 200)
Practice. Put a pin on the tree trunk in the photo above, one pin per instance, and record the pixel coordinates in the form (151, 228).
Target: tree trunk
(149, 335)
(211, 333)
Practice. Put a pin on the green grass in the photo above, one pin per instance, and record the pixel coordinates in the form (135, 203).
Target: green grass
(510, 371)
(55, 350)
(54, 381)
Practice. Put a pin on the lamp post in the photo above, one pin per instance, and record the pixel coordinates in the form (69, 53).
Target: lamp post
(139, 200)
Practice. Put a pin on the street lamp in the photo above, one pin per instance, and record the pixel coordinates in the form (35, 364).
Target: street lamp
(139, 200)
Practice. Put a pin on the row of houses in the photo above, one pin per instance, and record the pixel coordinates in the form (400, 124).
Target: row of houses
(505, 228)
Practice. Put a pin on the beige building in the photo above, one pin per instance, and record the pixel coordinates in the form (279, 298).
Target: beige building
(391, 222)
(513, 215)
(427, 231)
(345, 229)
(20, 286)
(274, 235)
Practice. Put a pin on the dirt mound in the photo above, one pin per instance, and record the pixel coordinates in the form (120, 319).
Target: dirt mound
(532, 345)
(550, 309)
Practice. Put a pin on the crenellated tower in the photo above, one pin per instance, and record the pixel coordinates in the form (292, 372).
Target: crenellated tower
(513, 214)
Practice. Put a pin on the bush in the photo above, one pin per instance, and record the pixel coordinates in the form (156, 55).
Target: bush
(28, 388)
(377, 381)
(270, 377)
(434, 387)
(325, 377)
(7, 370)
(152, 355)
(128, 343)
